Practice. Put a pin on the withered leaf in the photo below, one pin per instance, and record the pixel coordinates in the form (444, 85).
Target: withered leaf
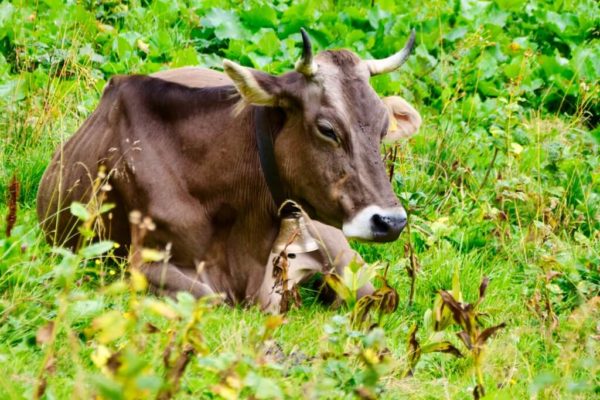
(365, 394)
(441, 347)
(460, 316)
(485, 335)
(413, 343)
(552, 274)
(362, 308)
(464, 336)
(114, 362)
(150, 328)
(482, 288)
(389, 297)
(442, 314)
(414, 350)
(44, 334)
(478, 392)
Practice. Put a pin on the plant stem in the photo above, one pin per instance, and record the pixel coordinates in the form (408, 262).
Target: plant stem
(413, 266)
(487, 173)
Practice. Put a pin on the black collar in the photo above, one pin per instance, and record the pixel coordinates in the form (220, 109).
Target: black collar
(267, 123)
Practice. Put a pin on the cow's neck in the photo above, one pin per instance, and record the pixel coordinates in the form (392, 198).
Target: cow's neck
(230, 180)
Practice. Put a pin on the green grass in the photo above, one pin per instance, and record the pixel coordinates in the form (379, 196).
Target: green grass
(491, 82)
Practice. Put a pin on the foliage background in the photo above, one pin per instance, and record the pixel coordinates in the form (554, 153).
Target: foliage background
(503, 180)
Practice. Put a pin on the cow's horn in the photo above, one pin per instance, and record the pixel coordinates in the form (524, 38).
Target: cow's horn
(306, 65)
(392, 62)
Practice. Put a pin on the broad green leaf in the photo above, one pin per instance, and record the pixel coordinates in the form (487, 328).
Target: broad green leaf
(80, 211)
(455, 34)
(83, 309)
(185, 57)
(264, 388)
(268, 42)
(259, 16)
(226, 24)
(337, 284)
(96, 249)
(109, 326)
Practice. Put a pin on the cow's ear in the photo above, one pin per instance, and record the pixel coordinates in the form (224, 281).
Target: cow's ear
(404, 119)
(254, 86)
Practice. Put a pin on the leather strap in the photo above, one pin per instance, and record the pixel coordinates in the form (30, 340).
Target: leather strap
(267, 122)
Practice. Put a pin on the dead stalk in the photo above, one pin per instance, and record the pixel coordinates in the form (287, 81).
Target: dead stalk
(413, 268)
(11, 216)
(174, 371)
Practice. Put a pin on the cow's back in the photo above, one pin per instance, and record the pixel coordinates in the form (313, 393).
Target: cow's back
(194, 77)
(74, 168)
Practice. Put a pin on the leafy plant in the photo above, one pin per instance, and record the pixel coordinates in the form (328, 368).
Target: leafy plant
(355, 276)
(415, 350)
(473, 336)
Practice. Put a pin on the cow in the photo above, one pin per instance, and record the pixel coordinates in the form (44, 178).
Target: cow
(183, 147)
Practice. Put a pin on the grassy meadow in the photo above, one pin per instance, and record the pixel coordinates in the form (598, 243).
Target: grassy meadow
(501, 182)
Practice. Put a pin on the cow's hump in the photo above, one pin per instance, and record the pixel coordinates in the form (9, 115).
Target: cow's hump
(194, 77)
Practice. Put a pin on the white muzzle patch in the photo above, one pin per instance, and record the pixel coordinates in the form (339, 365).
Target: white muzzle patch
(361, 226)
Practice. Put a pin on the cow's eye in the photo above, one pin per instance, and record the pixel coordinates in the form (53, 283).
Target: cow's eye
(328, 132)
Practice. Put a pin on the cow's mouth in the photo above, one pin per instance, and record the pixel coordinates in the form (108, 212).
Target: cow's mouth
(376, 224)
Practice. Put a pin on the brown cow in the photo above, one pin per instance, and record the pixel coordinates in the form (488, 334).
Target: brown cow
(180, 147)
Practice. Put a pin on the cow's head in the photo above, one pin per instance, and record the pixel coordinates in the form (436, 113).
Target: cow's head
(328, 152)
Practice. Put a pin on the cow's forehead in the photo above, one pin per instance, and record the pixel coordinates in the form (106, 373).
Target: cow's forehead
(344, 79)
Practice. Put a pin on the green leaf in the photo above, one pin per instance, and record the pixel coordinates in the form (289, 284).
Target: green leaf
(268, 43)
(161, 43)
(65, 270)
(559, 22)
(482, 288)
(185, 57)
(106, 207)
(122, 47)
(79, 210)
(96, 249)
(336, 283)
(586, 61)
(464, 336)
(108, 388)
(488, 66)
(84, 309)
(260, 16)
(226, 24)
(264, 388)
(455, 34)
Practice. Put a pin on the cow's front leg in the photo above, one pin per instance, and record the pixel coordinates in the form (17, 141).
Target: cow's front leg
(337, 251)
(334, 251)
(168, 279)
(300, 266)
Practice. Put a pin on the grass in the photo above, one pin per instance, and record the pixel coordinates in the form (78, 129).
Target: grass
(527, 359)
(503, 185)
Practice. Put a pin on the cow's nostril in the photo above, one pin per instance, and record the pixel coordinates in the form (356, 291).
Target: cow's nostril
(386, 228)
(379, 223)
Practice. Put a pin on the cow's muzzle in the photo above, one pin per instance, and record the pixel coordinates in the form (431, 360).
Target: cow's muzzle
(376, 224)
